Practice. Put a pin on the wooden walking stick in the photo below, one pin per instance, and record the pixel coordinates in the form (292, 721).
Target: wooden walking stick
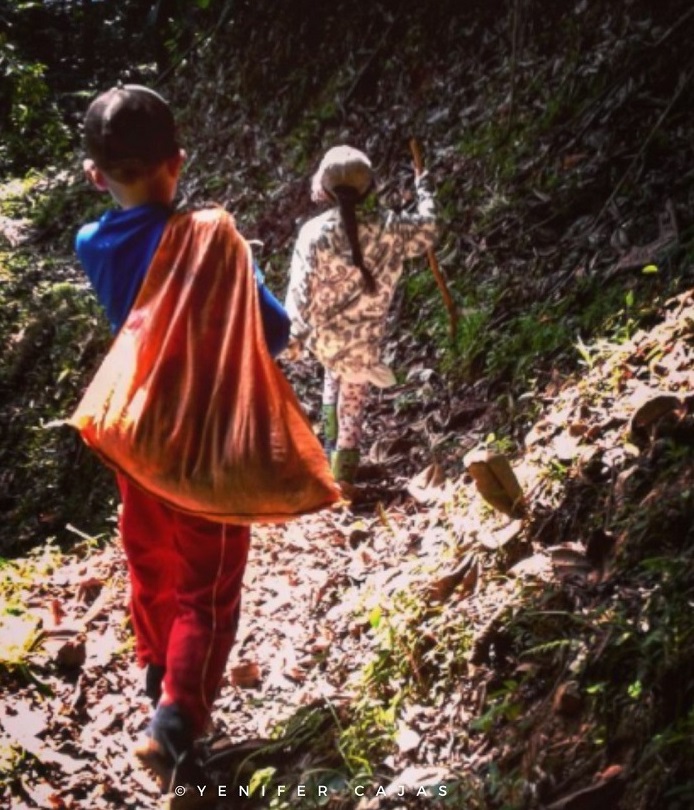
(431, 256)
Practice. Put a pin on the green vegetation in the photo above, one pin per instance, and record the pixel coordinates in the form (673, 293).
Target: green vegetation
(34, 131)
(52, 335)
(556, 141)
(20, 629)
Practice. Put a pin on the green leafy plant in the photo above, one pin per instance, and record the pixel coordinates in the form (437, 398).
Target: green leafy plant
(502, 705)
(34, 130)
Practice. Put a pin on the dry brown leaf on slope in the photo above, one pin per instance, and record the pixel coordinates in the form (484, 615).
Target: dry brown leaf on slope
(25, 725)
(496, 482)
(245, 675)
(650, 412)
(430, 485)
(466, 574)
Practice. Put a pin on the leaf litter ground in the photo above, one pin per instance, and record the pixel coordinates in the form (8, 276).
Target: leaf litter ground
(460, 641)
(421, 548)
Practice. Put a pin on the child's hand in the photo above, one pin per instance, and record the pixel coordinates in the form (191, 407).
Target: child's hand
(293, 351)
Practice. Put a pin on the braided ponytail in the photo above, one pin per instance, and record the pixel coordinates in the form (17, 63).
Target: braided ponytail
(347, 200)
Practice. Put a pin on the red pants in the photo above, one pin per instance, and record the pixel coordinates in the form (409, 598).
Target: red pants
(186, 576)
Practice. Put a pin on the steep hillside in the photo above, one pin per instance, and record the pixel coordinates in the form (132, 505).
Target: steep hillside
(560, 139)
(543, 659)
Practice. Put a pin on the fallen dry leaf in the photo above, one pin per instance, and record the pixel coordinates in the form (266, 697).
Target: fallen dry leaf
(245, 675)
(496, 481)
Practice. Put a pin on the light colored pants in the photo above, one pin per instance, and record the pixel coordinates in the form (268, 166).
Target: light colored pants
(350, 399)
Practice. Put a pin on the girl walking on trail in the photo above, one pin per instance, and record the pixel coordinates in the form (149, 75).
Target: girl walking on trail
(344, 271)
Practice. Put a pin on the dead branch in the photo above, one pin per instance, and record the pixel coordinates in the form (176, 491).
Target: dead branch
(431, 256)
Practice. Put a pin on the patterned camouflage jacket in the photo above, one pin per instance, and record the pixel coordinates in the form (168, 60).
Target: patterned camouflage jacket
(330, 313)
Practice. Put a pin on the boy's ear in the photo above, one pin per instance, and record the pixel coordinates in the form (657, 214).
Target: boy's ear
(94, 175)
(176, 162)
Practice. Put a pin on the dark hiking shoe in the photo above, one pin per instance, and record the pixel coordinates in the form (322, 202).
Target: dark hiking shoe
(167, 750)
(183, 784)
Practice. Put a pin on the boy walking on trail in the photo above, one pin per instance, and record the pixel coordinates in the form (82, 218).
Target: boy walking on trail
(344, 272)
(186, 571)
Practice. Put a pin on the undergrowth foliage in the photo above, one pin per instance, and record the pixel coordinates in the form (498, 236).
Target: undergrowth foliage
(560, 138)
(52, 335)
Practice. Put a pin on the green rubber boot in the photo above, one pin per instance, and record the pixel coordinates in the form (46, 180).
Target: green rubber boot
(344, 464)
(329, 428)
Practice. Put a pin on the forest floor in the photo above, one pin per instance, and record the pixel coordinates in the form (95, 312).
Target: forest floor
(419, 645)
(465, 647)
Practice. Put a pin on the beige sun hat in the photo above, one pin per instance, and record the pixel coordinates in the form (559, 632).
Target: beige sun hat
(342, 166)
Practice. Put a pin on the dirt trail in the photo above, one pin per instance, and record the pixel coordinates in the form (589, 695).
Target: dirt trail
(423, 549)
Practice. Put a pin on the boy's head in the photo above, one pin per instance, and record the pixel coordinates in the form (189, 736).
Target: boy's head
(129, 131)
(342, 166)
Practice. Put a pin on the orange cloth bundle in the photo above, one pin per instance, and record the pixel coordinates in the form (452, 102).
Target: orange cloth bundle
(189, 403)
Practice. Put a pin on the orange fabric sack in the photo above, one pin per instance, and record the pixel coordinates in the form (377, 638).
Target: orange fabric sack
(189, 403)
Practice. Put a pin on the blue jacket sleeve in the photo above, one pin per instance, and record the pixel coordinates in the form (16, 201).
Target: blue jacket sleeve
(275, 319)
